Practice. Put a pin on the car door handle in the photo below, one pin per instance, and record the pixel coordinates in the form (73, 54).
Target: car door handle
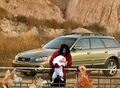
(88, 52)
(106, 51)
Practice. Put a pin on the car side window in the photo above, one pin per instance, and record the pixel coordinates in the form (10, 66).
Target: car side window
(110, 43)
(83, 44)
(96, 43)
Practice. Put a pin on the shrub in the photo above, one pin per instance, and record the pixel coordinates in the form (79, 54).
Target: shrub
(49, 23)
(19, 18)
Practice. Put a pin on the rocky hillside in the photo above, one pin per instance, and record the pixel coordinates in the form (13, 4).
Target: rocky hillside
(17, 16)
(102, 12)
(40, 9)
(58, 16)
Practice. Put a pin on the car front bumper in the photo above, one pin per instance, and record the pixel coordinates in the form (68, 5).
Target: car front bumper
(24, 64)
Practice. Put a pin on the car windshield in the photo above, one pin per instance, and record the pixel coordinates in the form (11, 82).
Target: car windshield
(56, 43)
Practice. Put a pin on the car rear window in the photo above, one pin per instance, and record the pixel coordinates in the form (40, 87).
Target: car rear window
(110, 43)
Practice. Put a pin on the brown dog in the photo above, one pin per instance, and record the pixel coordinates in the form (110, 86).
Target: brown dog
(83, 81)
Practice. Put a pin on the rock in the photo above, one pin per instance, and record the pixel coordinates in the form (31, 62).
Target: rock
(40, 9)
(81, 30)
(103, 12)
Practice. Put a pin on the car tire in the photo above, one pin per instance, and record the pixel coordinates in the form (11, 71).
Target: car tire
(110, 64)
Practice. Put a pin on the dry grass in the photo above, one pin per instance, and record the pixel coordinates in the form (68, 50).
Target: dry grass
(10, 46)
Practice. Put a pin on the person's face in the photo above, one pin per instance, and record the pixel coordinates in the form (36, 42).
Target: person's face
(64, 51)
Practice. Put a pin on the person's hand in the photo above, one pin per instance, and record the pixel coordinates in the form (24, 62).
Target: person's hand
(56, 65)
(66, 63)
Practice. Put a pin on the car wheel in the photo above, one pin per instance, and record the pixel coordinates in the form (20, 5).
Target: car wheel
(111, 64)
(29, 73)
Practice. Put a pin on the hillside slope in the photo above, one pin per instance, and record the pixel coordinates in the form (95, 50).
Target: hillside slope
(40, 9)
(102, 12)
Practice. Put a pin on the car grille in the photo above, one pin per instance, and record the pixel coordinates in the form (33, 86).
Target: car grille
(24, 59)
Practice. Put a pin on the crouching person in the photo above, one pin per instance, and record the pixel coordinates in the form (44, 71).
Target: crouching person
(63, 55)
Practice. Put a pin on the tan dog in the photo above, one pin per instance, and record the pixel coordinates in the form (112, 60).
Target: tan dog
(83, 80)
(37, 82)
(10, 78)
(7, 81)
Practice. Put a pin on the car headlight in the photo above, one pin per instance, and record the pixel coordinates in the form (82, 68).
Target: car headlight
(38, 59)
(41, 59)
(16, 57)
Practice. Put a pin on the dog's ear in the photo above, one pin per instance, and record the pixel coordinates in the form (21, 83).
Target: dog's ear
(83, 71)
(7, 73)
(83, 68)
(13, 73)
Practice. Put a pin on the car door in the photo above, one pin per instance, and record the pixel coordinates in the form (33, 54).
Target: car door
(98, 53)
(81, 52)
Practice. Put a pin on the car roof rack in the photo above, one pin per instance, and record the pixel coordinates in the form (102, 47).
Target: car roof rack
(86, 34)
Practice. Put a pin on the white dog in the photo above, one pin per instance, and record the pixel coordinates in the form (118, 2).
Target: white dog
(61, 61)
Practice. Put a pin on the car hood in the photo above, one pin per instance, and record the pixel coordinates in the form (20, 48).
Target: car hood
(36, 53)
